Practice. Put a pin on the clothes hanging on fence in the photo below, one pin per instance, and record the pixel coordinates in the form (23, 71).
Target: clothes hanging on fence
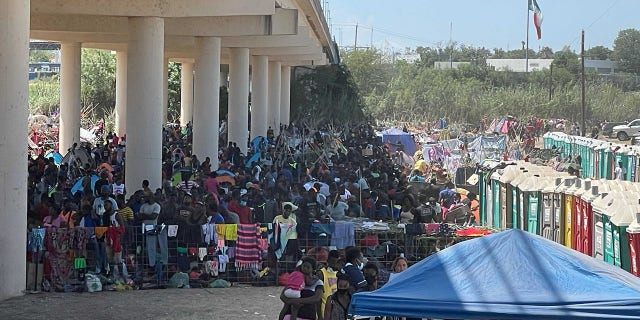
(344, 235)
(247, 248)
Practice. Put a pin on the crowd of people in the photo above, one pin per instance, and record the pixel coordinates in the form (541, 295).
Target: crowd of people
(325, 176)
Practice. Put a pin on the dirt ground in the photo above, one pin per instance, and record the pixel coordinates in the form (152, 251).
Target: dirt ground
(237, 302)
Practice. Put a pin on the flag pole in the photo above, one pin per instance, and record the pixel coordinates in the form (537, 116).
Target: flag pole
(526, 52)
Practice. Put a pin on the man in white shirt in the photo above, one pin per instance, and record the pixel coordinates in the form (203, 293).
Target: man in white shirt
(620, 172)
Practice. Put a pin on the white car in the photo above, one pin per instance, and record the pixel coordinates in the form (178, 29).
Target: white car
(624, 131)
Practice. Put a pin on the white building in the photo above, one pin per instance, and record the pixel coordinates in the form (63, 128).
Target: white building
(442, 65)
(519, 65)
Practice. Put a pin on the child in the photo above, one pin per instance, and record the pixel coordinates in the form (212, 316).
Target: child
(298, 279)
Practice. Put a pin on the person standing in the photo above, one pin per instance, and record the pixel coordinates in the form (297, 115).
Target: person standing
(337, 305)
(620, 172)
(148, 213)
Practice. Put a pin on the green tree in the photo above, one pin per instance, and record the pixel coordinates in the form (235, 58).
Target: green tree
(568, 60)
(40, 55)
(98, 78)
(598, 53)
(626, 50)
(325, 94)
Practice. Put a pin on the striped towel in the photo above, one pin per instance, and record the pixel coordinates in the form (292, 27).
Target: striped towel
(247, 247)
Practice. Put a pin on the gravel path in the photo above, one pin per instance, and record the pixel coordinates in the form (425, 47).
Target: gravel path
(238, 302)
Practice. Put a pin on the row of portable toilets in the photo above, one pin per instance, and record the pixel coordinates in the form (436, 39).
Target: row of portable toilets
(599, 158)
(600, 218)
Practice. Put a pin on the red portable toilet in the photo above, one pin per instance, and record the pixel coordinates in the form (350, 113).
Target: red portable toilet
(576, 215)
(633, 234)
(587, 217)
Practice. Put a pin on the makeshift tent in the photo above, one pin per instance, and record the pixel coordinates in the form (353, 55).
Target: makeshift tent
(393, 136)
(82, 157)
(77, 186)
(509, 275)
(57, 157)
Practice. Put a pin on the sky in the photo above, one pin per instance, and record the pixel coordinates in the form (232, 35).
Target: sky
(491, 24)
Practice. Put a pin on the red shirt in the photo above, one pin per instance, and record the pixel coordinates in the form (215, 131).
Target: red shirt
(243, 212)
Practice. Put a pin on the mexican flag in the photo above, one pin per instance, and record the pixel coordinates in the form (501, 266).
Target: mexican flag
(537, 16)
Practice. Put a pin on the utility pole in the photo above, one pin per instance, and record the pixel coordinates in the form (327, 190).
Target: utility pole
(371, 44)
(583, 87)
(355, 43)
(550, 80)
(451, 45)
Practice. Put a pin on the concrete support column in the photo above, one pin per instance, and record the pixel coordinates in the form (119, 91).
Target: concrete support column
(186, 93)
(121, 93)
(207, 99)
(14, 103)
(285, 96)
(144, 97)
(70, 103)
(275, 81)
(239, 97)
(259, 96)
(165, 91)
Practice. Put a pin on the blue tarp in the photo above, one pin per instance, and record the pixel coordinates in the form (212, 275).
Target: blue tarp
(509, 275)
(394, 136)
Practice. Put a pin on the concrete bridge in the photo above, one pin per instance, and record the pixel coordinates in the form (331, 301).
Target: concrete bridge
(259, 40)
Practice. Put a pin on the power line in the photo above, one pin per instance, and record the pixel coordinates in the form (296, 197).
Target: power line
(594, 21)
(387, 32)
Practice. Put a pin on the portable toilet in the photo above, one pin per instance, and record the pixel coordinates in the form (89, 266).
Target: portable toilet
(620, 220)
(596, 223)
(506, 218)
(607, 162)
(576, 217)
(567, 210)
(532, 203)
(549, 223)
(494, 216)
(600, 206)
(598, 151)
(633, 239)
(482, 197)
(587, 217)
(546, 140)
(516, 199)
(632, 164)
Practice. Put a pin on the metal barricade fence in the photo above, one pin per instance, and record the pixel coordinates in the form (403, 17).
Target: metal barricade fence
(55, 256)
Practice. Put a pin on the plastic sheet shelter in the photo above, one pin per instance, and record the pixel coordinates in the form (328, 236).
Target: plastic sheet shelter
(509, 275)
(394, 136)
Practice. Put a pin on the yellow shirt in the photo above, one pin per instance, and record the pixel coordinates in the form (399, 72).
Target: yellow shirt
(330, 280)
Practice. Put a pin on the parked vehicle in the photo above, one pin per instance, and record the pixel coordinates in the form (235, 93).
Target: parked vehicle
(607, 128)
(624, 131)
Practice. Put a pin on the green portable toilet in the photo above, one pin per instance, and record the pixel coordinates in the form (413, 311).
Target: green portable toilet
(506, 218)
(599, 160)
(588, 165)
(482, 196)
(546, 140)
(600, 212)
(632, 164)
(608, 161)
(494, 215)
(516, 202)
(623, 216)
(531, 203)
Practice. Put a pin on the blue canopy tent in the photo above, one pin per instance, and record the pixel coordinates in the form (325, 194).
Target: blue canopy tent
(394, 136)
(509, 275)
